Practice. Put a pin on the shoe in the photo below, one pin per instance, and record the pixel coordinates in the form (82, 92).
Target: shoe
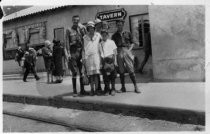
(37, 78)
(75, 95)
(25, 81)
(57, 81)
(123, 89)
(137, 90)
(113, 92)
(106, 93)
(83, 92)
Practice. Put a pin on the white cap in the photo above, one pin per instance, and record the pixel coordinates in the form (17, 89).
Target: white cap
(97, 21)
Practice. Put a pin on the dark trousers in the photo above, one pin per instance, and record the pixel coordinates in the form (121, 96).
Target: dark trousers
(109, 79)
(146, 57)
(75, 65)
(28, 69)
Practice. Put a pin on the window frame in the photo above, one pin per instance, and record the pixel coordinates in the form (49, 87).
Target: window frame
(38, 44)
(130, 26)
(54, 30)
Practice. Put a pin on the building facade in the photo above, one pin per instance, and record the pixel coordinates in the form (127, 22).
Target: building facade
(178, 47)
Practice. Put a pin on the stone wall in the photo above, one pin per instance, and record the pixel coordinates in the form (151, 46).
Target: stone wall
(178, 42)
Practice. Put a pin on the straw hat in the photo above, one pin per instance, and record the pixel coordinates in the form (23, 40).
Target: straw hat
(90, 24)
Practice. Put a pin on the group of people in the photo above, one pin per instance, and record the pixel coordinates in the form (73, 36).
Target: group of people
(53, 56)
(90, 52)
(54, 62)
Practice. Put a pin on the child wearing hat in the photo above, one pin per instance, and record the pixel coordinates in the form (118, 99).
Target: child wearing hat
(108, 54)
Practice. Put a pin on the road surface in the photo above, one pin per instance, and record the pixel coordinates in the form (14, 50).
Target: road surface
(17, 124)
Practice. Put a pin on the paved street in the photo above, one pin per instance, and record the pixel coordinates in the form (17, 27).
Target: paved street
(17, 124)
(85, 120)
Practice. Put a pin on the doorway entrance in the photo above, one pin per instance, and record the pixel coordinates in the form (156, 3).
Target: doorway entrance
(140, 29)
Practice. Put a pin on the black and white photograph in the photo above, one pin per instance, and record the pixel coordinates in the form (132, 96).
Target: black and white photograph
(104, 68)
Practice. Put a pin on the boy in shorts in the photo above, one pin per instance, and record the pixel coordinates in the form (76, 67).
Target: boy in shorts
(108, 54)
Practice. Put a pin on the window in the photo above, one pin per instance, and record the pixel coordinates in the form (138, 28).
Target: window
(140, 29)
(9, 54)
(9, 48)
(9, 43)
(59, 34)
(35, 38)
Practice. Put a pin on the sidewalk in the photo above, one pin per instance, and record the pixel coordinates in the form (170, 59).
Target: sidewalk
(180, 102)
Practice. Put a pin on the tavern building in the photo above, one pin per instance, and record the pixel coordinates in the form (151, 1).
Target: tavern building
(177, 35)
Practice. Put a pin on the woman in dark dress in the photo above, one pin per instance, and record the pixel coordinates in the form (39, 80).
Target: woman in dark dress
(58, 53)
(47, 56)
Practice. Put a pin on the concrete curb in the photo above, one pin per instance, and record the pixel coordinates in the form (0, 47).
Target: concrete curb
(169, 114)
(53, 121)
(93, 121)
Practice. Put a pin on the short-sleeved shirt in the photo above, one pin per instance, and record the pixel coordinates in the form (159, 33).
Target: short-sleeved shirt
(123, 39)
(74, 37)
(107, 48)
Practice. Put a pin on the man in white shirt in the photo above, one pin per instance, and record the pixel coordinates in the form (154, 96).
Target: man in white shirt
(108, 54)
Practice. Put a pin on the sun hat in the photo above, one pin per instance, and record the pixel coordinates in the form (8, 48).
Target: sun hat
(90, 24)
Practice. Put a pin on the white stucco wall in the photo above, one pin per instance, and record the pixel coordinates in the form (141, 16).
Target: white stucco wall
(178, 42)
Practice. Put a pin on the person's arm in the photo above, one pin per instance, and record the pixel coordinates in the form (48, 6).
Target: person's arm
(131, 41)
(131, 46)
(100, 50)
(115, 53)
(44, 53)
(115, 57)
(83, 50)
(67, 44)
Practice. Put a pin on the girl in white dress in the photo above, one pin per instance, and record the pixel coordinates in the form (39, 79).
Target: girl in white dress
(91, 56)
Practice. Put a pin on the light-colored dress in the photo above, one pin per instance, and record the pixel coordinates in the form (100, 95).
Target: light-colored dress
(91, 54)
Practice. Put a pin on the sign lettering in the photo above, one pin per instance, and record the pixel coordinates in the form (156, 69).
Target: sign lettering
(112, 15)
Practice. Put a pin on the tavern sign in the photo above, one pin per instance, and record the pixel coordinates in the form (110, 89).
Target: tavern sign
(111, 15)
